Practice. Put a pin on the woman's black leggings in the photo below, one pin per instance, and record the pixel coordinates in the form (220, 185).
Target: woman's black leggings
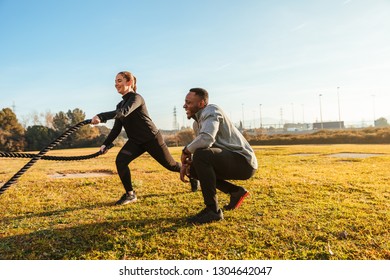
(157, 148)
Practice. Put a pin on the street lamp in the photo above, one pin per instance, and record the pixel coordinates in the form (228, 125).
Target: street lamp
(261, 120)
(322, 124)
(254, 120)
(373, 107)
(338, 101)
(243, 125)
(292, 112)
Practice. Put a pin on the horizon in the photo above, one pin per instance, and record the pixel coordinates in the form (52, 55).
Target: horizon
(301, 61)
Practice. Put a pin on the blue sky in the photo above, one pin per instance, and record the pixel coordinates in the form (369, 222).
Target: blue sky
(61, 55)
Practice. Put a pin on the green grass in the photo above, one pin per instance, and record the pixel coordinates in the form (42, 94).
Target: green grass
(301, 207)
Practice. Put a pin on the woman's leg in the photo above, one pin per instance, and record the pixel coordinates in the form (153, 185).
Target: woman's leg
(128, 153)
(158, 149)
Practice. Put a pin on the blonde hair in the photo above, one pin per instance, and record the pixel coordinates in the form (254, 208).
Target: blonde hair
(130, 78)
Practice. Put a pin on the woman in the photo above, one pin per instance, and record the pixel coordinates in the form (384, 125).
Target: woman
(143, 136)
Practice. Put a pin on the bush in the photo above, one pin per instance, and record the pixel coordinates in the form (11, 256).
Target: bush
(355, 136)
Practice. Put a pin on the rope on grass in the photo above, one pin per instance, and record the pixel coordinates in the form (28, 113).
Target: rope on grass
(41, 155)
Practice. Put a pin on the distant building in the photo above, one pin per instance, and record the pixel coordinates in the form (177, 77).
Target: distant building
(328, 125)
(296, 127)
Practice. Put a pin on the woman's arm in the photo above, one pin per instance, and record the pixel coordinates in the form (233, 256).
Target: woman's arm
(116, 129)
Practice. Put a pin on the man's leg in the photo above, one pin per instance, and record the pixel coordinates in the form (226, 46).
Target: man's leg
(214, 165)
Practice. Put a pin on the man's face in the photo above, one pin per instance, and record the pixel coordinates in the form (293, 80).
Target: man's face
(122, 85)
(192, 104)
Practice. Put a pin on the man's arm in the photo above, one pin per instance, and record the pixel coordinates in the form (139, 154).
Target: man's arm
(203, 140)
(207, 134)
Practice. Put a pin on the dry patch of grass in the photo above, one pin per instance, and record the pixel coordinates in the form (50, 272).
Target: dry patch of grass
(311, 207)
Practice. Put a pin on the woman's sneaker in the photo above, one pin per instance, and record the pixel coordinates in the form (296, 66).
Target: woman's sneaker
(127, 198)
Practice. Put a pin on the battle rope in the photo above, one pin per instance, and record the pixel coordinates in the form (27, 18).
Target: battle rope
(41, 155)
(60, 158)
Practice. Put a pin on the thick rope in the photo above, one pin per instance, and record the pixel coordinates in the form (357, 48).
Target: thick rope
(40, 155)
(58, 158)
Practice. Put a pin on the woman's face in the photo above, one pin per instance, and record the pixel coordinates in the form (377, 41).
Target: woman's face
(122, 85)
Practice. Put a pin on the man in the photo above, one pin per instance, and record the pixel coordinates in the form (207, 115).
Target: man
(218, 153)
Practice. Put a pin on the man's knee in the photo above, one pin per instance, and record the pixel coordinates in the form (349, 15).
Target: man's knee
(202, 155)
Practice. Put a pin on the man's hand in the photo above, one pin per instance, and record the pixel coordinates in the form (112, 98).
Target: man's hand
(95, 120)
(186, 156)
(186, 160)
(184, 171)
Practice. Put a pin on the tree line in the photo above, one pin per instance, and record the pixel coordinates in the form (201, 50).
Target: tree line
(14, 137)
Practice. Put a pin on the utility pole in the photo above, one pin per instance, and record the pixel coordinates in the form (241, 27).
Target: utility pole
(281, 117)
(174, 118)
(322, 124)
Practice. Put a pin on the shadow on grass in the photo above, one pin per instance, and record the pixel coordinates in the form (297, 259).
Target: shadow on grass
(72, 209)
(89, 241)
(122, 239)
(53, 213)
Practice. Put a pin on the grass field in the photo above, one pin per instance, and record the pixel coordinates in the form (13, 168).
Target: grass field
(304, 204)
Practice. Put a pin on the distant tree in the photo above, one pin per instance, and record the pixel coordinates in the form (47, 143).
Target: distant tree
(35, 118)
(180, 138)
(49, 119)
(75, 116)
(11, 131)
(103, 130)
(38, 137)
(60, 121)
(185, 136)
(171, 140)
(86, 136)
(4, 140)
(381, 122)
(101, 133)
